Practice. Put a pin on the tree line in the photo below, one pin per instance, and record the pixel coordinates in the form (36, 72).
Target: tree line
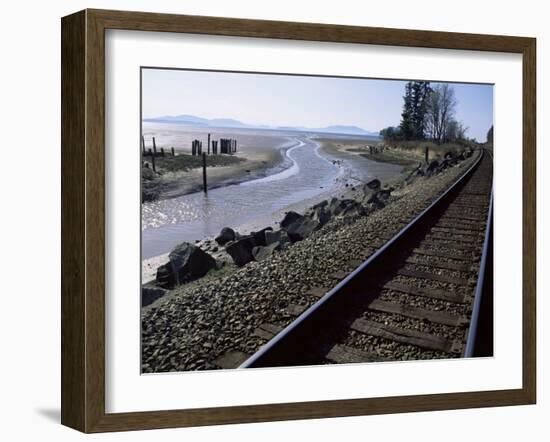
(428, 113)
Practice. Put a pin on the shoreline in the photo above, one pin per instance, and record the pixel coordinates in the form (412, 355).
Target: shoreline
(257, 163)
(345, 186)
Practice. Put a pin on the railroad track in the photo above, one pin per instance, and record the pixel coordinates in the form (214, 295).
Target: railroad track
(420, 296)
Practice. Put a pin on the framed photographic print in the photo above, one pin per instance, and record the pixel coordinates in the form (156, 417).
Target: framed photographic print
(269, 220)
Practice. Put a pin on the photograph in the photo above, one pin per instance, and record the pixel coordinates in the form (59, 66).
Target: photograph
(299, 220)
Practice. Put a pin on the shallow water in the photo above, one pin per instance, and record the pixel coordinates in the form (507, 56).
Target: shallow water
(197, 216)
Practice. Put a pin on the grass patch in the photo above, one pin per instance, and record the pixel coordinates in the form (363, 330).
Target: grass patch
(436, 151)
(184, 162)
(392, 157)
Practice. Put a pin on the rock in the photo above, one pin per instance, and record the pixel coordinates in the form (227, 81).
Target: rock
(262, 252)
(241, 250)
(432, 168)
(259, 237)
(377, 200)
(374, 184)
(290, 218)
(323, 203)
(151, 294)
(227, 234)
(187, 263)
(353, 209)
(384, 194)
(321, 214)
(337, 206)
(278, 236)
(302, 228)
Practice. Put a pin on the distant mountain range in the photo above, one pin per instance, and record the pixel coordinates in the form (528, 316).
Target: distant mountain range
(191, 120)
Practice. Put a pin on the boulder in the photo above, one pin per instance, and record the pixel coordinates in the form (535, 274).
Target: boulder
(353, 209)
(262, 252)
(380, 198)
(151, 294)
(432, 168)
(290, 218)
(302, 228)
(227, 234)
(321, 214)
(337, 206)
(384, 194)
(259, 237)
(374, 184)
(241, 250)
(187, 263)
(323, 203)
(278, 236)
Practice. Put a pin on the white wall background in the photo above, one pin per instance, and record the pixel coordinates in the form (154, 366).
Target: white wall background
(30, 220)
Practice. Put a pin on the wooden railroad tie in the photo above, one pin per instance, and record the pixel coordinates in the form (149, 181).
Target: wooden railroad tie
(425, 292)
(433, 276)
(405, 336)
(231, 359)
(440, 265)
(418, 313)
(344, 354)
(443, 254)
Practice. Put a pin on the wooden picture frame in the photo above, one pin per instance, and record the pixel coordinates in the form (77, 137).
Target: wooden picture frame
(83, 219)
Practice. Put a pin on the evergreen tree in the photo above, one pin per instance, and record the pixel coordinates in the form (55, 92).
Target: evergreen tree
(407, 124)
(420, 99)
(415, 110)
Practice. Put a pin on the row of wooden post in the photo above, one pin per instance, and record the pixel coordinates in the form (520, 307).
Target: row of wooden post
(196, 147)
(226, 146)
(153, 152)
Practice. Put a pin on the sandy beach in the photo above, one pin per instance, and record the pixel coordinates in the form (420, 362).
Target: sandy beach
(255, 163)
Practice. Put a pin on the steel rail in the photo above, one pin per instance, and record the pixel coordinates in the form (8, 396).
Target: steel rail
(308, 313)
(472, 331)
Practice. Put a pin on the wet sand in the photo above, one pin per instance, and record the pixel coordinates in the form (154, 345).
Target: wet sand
(257, 163)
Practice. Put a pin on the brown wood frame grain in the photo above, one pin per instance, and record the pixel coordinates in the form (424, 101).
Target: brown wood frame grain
(83, 217)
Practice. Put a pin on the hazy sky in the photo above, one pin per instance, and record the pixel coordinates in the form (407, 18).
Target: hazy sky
(285, 100)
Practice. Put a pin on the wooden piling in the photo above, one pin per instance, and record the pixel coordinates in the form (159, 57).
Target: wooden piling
(173, 152)
(208, 144)
(204, 173)
(154, 148)
(143, 144)
(162, 151)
